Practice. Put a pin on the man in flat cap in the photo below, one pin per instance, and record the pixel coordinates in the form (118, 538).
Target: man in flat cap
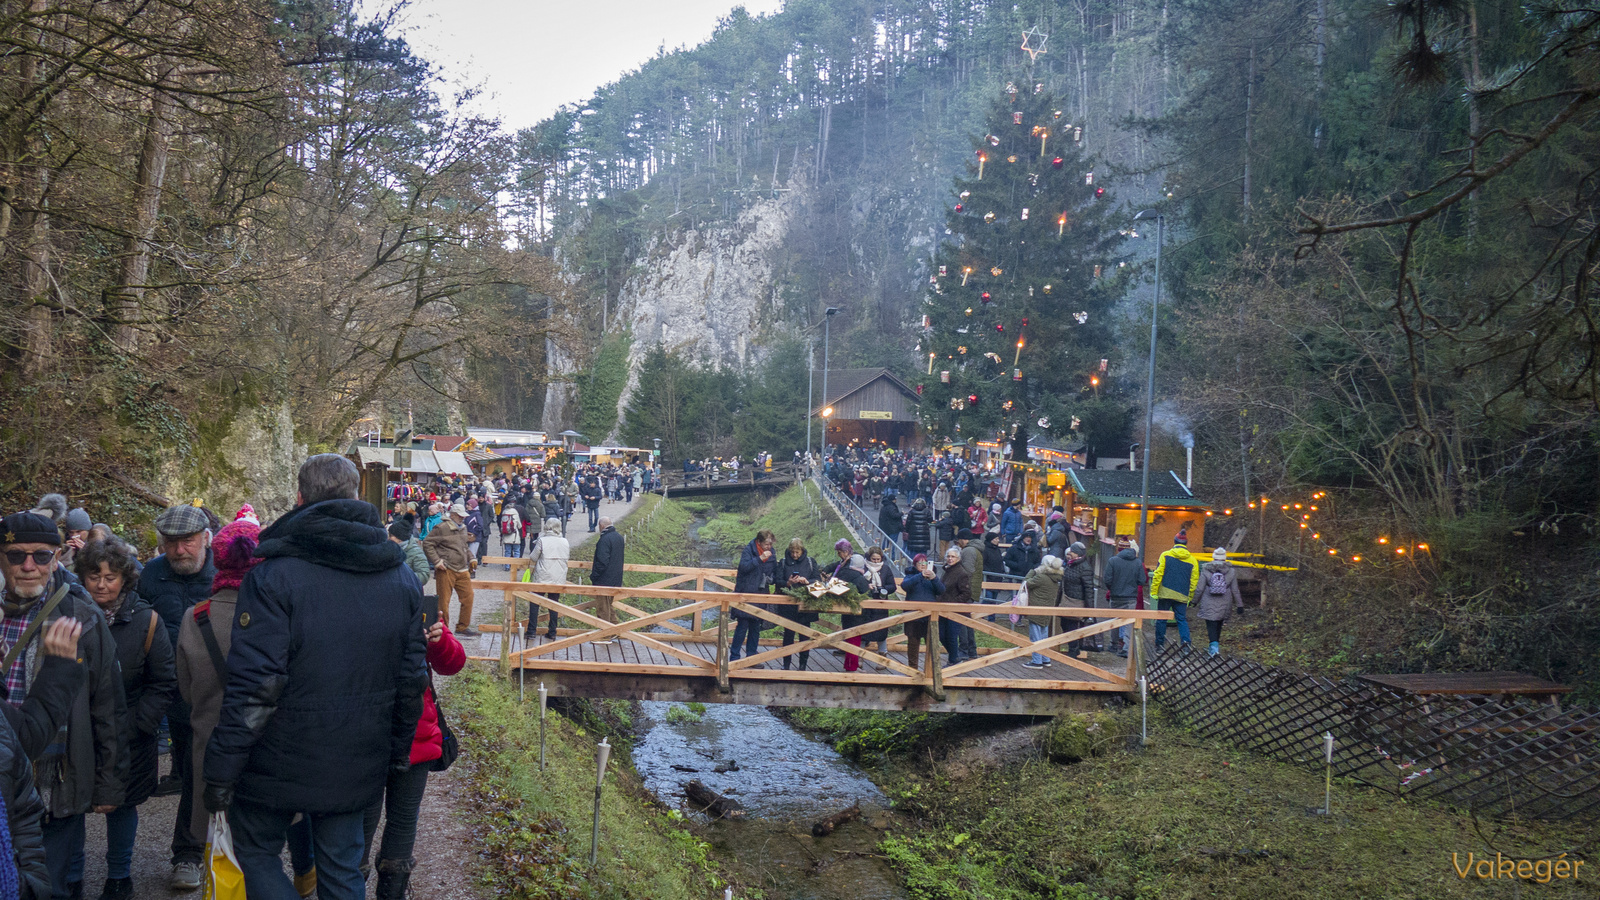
(78, 774)
(173, 583)
(447, 548)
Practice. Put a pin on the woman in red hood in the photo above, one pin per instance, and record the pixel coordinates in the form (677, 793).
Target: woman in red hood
(402, 798)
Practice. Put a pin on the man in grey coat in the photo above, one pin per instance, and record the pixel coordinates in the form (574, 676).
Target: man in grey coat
(1124, 576)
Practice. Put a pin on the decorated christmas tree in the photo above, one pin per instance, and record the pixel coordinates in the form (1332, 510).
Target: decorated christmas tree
(1017, 336)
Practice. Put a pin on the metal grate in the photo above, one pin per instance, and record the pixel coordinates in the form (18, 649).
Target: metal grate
(1479, 753)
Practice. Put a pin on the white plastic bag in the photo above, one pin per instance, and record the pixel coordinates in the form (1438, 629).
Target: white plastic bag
(224, 880)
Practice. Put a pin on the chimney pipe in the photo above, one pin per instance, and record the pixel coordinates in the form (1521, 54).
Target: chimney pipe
(1188, 472)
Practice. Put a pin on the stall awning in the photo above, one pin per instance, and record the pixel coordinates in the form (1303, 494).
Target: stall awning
(417, 461)
(452, 463)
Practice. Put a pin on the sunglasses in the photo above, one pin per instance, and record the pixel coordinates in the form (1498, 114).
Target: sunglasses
(40, 557)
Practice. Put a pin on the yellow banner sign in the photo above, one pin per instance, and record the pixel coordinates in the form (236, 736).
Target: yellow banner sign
(874, 414)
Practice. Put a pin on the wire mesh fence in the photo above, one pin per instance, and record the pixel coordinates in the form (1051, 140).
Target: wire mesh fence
(1490, 755)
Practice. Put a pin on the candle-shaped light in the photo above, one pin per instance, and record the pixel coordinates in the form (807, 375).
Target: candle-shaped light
(930, 363)
(1018, 357)
(982, 158)
(965, 271)
(1061, 225)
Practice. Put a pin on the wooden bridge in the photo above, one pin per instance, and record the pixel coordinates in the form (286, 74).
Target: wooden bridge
(672, 639)
(706, 484)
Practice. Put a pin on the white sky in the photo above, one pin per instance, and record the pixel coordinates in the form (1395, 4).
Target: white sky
(532, 56)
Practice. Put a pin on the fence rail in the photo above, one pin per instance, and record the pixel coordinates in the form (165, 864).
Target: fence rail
(1480, 753)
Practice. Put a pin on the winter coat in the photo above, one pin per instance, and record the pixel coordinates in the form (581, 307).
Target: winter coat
(417, 560)
(917, 522)
(888, 578)
(1011, 523)
(941, 498)
(549, 557)
(957, 585)
(87, 774)
(972, 563)
(1023, 556)
(1124, 575)
(148, 685)
(24, 809)
(946, 524)
(1044, 590)
(609, 553)
(473, 523)
(591, 493)
(754, 576)
(1058, 538)
(806, 568)
(920, 589)
(171, 594)
(201, 685)
(448, 546)
(327, 668)
(889, 519)
(1217, 607)
(510, 525)
(994, 559)
(1176, 576)
(446, 657)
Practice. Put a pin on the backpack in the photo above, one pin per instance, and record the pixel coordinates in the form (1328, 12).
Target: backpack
(505, 526)
(1216, 583)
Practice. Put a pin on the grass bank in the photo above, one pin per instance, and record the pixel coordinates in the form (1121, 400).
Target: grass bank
(787, 516)
(534, 826)
(994, 817)
(656, 533)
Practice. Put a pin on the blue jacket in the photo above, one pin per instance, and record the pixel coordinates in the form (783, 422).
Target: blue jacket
(1011, 523)
(327, 665)
(754, 575)
(171, 594)
(920, 589)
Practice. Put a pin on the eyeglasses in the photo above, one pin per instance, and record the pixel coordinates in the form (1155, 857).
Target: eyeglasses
(40, 557)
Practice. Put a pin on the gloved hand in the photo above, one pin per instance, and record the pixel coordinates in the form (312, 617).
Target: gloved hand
(217, 797)
(400, 766)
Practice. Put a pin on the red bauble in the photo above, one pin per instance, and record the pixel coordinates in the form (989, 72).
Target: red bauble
(972, 399)
(919, 390)
(958, 207)
(985, 297)
(1056, 163)
(1024, 323)
(999, 326)
(1099, 192)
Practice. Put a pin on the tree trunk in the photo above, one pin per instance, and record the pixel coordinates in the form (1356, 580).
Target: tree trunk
(1321, 41)
(126, 300)
(826, 826)
(1249, 127)
(712, 803)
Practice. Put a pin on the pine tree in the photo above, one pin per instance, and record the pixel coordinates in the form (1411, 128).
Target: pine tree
(1018, 313)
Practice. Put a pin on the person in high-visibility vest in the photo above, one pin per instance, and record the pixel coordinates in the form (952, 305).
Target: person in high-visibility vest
(1173, 583)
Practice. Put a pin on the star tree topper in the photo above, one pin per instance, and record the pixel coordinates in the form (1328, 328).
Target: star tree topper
(1033, 41)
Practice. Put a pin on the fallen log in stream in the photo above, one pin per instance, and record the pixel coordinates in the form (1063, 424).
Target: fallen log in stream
(826, 826)
(711, 802)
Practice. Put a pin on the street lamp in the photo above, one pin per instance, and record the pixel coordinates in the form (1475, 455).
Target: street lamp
(1150, 382)
(827, 320)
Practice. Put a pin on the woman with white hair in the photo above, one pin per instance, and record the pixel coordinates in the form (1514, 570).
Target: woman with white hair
(548, 561)
(1218, 593)
(1044, 589)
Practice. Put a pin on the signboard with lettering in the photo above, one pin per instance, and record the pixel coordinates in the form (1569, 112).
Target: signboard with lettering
(874, 414)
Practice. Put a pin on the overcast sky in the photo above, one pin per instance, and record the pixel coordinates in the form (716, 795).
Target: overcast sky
(532, 56)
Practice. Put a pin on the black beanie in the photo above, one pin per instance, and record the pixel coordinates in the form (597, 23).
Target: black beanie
(400, 529)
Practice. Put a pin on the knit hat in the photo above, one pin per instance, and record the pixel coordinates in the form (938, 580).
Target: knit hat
(78, 520)
(842, 544)
(400, 529)
(233, 552)
(964, 534)
(1078, 548)
(246, 513)
(1182, 538)
(1219, 555)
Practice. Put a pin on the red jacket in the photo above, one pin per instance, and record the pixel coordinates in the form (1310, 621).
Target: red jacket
(447, 657)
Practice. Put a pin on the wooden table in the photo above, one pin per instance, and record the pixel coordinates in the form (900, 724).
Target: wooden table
(1457, 684)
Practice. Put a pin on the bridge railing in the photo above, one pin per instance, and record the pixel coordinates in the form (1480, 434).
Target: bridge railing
(747, 475)
(673, 640)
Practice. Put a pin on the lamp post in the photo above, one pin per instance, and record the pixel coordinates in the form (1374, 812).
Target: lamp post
(811, 377)
(827, 320)
(1150, 382)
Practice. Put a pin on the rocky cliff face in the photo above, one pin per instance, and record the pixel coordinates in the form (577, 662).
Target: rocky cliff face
(708, 294)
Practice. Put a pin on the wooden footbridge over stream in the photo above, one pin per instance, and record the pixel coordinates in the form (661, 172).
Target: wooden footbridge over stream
(672, 635)
(711, 484)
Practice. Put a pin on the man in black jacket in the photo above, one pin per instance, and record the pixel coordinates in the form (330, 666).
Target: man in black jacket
(591, 495)
(325, 679)
(609, 553)
(83, 771)
(173, 583)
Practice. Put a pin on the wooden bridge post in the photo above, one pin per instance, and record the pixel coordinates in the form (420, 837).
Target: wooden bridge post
(935, 663)
(722, 648)
(699, 622)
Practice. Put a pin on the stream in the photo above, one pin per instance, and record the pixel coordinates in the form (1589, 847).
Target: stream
(784, 780)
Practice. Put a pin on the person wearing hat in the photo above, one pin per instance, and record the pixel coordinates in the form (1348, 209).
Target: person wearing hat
(1173, 583)
(173, 583)
(1218, 595)
(75, 526)
(447, 548)
(326, 673)
(416, 560)
(1077, 589)
(1124, 575)
(37, 597)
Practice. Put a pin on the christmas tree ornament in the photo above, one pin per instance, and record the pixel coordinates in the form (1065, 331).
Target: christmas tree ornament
(1011, 88)
(962, 350)
(1033, 179)
(1016, 118)
(1088, 178)
(1018, 357)
(1077, 135)
(1080, 317)
(927, 322)
(930, 362)
(982, 158)
(1057, 163)
(1016, 374)
(1099, 192)
(1038, 87)
(941, 271)
(965, 271)
(972, 400)
(1076, 422)
(1097, 271)
(1057, 114)
(958, 207)
(994, 140)
(1043, 134)
(988, 218)
(1024, 323)
(1033, 41)
(965, 194)
(933, 280)
(1009, 405)
(919, 390)
(944, 376)
(999, 326)
(1024, 214)
(985, 297)
(996, 271)
(1103, 364)
(1061, 226)
(958, 428)
(1048, 288)
(1012, 158)
(963, 329)
(1044, 421)
(992, 357)
(1030, 294)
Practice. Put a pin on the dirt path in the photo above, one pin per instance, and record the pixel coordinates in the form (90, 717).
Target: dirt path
(446, 858)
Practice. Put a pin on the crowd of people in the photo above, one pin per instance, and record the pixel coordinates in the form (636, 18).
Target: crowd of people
(289, 665)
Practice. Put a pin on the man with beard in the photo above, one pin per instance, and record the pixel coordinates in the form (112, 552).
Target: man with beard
(325, 681)
(77, 773)
(173, 583)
